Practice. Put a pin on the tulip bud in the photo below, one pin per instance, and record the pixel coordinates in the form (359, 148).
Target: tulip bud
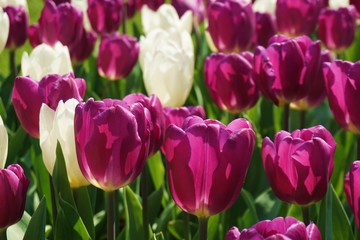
(265, 28)
(337, 27)
(196, 7)
(58, 126)
(112, 141)
(229, 79)
(178, 115)
(299, 165)
(117, 56)
(231, 25)
(167, 61)
(80, 51)
(3, 144)
(207, 163)
(278, 228)
(4, 25)
(343, 91)
(104, 15)
(34, 37)
(18, 30)
(284, 70)
(44, 60)
(28, 96)
(165, 18)
(351, 186)
(297, 17)
(13, 188)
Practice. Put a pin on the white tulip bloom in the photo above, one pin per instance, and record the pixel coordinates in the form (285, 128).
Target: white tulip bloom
(338, 3)
(4, 26)
(45, 59)
(3, 144)
(167, 61)
(165, 18)
(265, 6)
(58, 126)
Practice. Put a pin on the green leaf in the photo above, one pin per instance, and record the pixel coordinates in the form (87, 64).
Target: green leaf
(177, 228)
(84, 208)
(250, 204)
(17, 231)
(16, 144)
(156, 170)
(158, 236)
(154, 202)
(36, 228)
(213, 228)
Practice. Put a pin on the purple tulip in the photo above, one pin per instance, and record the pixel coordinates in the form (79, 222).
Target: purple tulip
(278, 228)
(34, 37)
(117, 55)
(231, 24)
(152, 4)
(18, 31)
(196, 6)
(13, 188)
(351, 185)
(265, 28)
(356, 3)
(54, 24)
(207, 163)
(284, 71)
(342, 82)
(229, 79)
(337, 27)
(80, 51)
(178, 115)
(297, 17)
(299, 165)
(58, 2)
(104, 15)
(28, 96)
(156, 118)
(112, 141)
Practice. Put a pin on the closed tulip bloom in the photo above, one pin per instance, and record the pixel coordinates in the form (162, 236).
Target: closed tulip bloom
(34, 37)
(297, 17)
(351, 186)
(196, 7)
(165, 18)
(155, 117)
(28, 96)
(342, 86)
(337, 27)
(299, 165)
(284, 70)
(117, 56)
(18, 30)
(83, 6)
(207, 163)
(44, 60)
(231, 24)
(3, 144)
(265, 28)
(58, 126)
(178, 115)
(104, 15)
(5, 25)
(278, 228)
(13, 188)
(82, 50)
(54, 24)
(167, 62)
(152, 4)
(229, 79)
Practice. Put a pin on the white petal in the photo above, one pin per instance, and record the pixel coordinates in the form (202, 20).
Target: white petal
(264, 6)
(186, 21)
(4, 26)
(3, 144)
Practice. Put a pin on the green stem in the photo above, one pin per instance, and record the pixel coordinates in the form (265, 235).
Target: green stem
(302, 119)
(144, 195)
(111, 230)
(306, 214)
(187, 226)
(286, 116)
(13, 69)
(203, 227)
(3, 234)
(53, 201)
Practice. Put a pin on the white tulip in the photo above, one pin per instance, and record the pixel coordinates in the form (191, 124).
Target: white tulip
(45, 59)
(167, 61)
(265, 6)
(3, 144)
(4, 26)
(165, 18)
(338, 3)
(58, 126)
(14, 3)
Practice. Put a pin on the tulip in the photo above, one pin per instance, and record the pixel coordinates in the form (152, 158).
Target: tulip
(337, 3)
(178, 115)
(278, 228)
(299, 165)
(80, 51)
(13, 188)
(337, 27)
(207, 163)
(58, 126)
(356, 3)
(284, 70)
(317, 91)
(197, 8)
(229, 80)
(265, 6)
(342, 87)
(231, 25)
(167, 61)
(54, 24)
(34, 37)
(3, 144)
(351, 186)
(111, 139)
(83, 6)
(152, 4)
(104, 15)
(28, 96)
(265, 28)
(165, 18)
(44, 60)
(117, 56)
(153, 105)
(4, 33)
(18, 28)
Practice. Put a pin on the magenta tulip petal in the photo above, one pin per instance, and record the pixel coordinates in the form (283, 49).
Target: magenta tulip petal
(352, 191)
